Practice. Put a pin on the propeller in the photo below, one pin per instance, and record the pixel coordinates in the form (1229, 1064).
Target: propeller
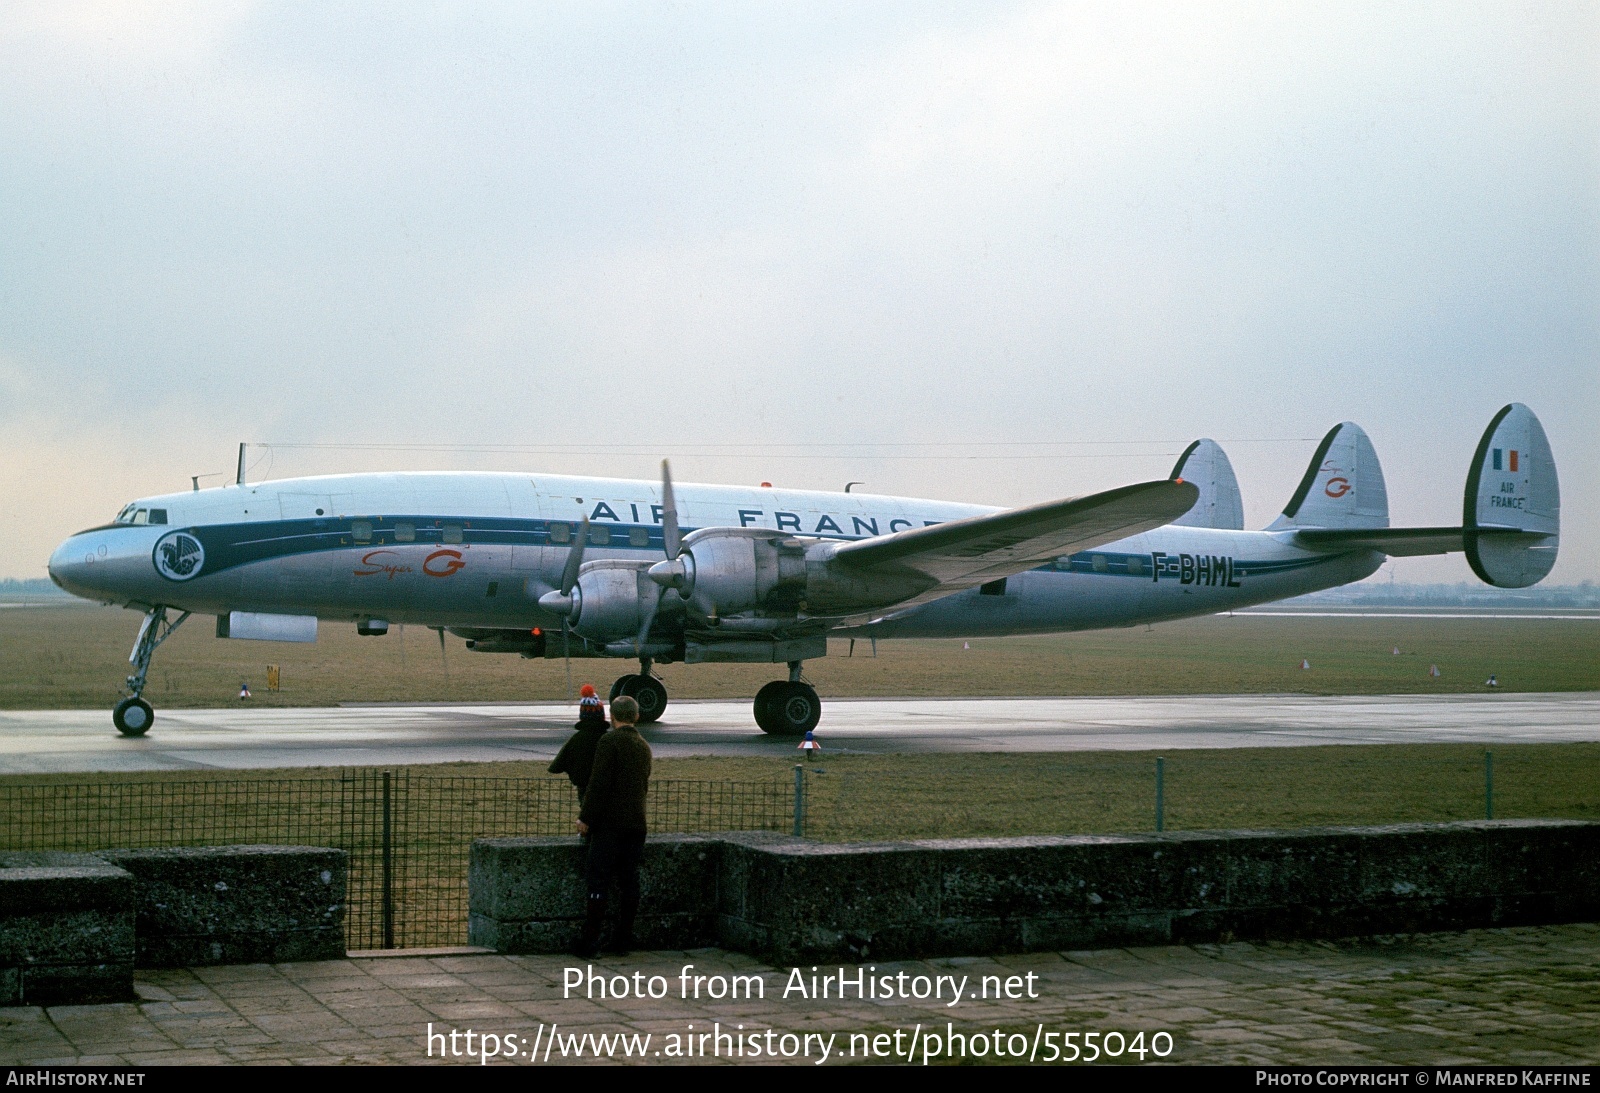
(672, 541)
(672, 573)
(561, 602)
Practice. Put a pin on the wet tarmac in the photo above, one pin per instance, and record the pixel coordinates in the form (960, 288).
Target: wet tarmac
(234, 738)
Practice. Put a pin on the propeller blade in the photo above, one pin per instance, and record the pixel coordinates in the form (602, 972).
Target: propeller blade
(669, 514)
(649, 618)
(569, 573)
(566, 655)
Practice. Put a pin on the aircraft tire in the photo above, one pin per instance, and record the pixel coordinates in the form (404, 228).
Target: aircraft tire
(649, 692)
(763, 704)
(617, 688)
(132, 717)
(793, 709)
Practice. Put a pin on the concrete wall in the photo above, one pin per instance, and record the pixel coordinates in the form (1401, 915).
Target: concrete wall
(66, 930)
(529, 895)
(236, 904)
(791, 900)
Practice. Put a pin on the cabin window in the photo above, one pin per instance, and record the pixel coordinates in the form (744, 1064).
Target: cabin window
(361, 531)
(560, 533)
(1136, 566)
(639, 537)
(993, 588)
(1098, 563)
(452, 533)
(494, 586)
(405, 533)
(599, 535)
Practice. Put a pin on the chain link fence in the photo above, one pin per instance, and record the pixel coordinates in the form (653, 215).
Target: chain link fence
(408, 835)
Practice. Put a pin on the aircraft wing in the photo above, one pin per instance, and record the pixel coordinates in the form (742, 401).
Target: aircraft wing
(963, 553)
(1401, 542)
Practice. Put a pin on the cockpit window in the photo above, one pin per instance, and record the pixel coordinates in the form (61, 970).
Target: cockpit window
(140, 516)
(125, 516)
(158, 516)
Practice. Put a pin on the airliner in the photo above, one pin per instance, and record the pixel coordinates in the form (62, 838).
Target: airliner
(561, 566)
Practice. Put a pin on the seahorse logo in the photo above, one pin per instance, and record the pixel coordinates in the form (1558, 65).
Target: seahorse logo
(179, 556)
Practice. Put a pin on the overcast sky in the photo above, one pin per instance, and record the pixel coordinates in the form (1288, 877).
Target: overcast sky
(771, 240)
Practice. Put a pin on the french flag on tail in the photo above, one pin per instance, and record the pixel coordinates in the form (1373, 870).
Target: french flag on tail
(1513, 459)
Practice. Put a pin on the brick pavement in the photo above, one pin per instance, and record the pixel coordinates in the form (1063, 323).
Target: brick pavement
(1521, 996)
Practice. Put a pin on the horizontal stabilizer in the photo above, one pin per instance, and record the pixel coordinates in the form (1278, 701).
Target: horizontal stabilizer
(1406, 542)
(1206, 465)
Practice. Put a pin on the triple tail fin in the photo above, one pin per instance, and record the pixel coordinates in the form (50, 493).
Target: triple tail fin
(1342, 488)
(1511, 509)
(1220, 505)
(1512, 487)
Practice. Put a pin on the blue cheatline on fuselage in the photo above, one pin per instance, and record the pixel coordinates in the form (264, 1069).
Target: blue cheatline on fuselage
(230, 545)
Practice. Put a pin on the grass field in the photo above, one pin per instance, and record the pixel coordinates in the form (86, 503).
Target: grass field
(987, 794)
(75, 657)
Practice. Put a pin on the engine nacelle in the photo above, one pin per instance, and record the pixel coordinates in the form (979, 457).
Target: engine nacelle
(728, 571)
(609, 600)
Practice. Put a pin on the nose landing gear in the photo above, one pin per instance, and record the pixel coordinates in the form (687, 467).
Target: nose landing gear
(133, 715)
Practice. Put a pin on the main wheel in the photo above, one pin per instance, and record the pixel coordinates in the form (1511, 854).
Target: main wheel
(133, 716)
(763, 704)
(793, 709)
(649, 693)
(617, 687)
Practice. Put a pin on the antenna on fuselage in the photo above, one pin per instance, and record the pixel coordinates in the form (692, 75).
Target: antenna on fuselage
(239, 478)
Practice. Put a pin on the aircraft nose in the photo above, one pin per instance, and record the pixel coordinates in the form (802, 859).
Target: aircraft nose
(72, 565)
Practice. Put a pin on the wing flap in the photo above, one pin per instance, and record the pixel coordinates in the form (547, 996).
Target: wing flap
(962, 553)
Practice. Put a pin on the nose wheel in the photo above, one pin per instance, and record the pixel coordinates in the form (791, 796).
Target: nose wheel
(133, 716)
(647, 691)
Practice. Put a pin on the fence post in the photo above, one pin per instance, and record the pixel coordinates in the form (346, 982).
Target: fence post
(1488, 785)
(799, 801)
(388, 866)
(1161, 820)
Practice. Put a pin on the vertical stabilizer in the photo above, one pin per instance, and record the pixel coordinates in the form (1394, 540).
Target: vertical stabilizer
(1220, 506)
(1342, 488)
(1512, 485)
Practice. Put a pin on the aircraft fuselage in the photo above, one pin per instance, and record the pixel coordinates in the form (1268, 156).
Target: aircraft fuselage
(478, 550)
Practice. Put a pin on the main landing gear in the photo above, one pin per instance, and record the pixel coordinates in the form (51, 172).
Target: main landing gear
(788, 707)
(133, 715)
(646, 690)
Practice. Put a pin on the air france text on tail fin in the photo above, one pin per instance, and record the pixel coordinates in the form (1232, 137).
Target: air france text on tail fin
(1512, 487)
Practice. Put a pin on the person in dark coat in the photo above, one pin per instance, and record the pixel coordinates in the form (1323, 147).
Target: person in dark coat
(576, 757)
(614, 819)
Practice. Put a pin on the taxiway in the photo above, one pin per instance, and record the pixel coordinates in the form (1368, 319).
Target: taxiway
(83, 740)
